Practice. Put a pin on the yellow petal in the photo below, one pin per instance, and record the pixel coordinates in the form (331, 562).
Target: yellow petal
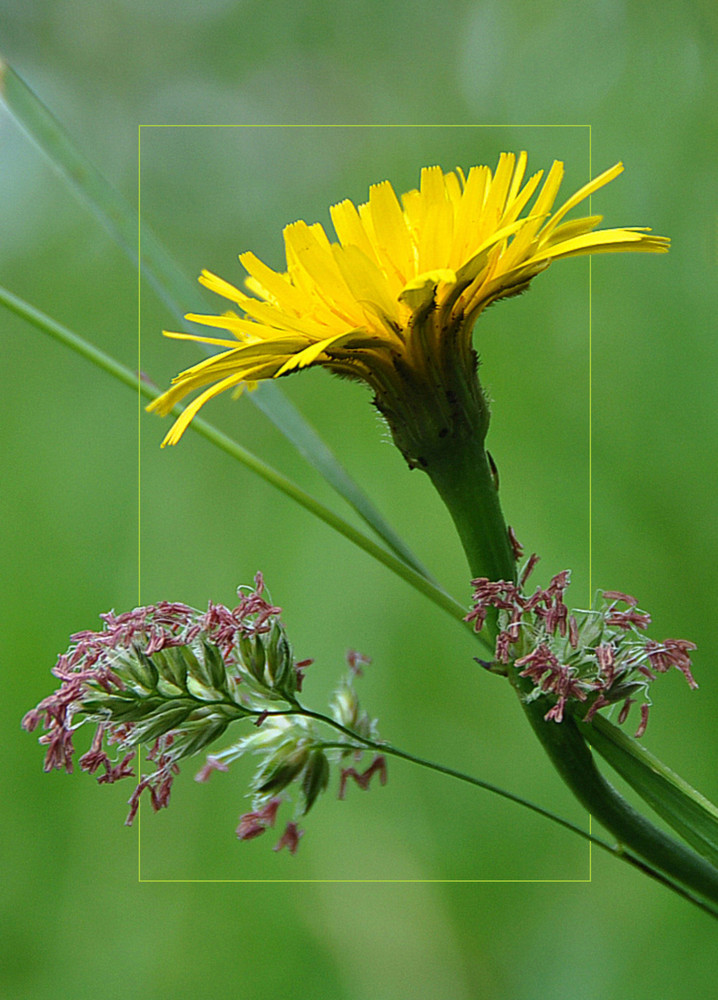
(468, 215)
(310, 354)
(367, 283)
(453, 188)
(349, 228)
(221, 287)
(315, 257)
(437, 225)
(567, 231)
(514, 208)
(606, 241)
(248, 328)
(547, 197)
(185, 418)
(282, 290)
(203, 340)
(496, 198)
(390, 231)
(581, 195)
(419, 292)
(518, 176)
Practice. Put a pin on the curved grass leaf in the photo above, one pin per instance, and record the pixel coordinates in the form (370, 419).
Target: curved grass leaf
(285, 416)
(226, 444)
(177, 291)
(690, 814)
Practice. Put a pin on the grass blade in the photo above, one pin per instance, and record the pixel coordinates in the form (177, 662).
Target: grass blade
(177, 291)
(686, 810)
(108, 364)
(286, 417)
(115, 213)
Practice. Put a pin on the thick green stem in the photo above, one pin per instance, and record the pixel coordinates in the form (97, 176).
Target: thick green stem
(439, 417)
(466, 483)
(463, 484)
(573, 760)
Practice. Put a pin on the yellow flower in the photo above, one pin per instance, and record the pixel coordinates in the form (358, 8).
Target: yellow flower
(397, 297)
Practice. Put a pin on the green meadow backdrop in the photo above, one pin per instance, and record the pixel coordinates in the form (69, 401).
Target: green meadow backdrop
(604, 432)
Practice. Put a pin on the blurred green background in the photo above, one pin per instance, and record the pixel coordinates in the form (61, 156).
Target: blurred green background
(74, 917)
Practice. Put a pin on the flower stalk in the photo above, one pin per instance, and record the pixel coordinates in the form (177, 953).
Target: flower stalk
(439, 415)
(563, 742)
(569, 754)
(697, 895)
(467, 483)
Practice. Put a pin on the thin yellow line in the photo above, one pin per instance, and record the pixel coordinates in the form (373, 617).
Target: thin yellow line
(139, 370)
(590, 438)
(367, 881)
(139, 452)
(139, 272)
(354, 125)
(590, 389)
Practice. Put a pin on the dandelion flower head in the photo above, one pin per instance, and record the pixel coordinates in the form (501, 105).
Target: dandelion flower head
(398, 294)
